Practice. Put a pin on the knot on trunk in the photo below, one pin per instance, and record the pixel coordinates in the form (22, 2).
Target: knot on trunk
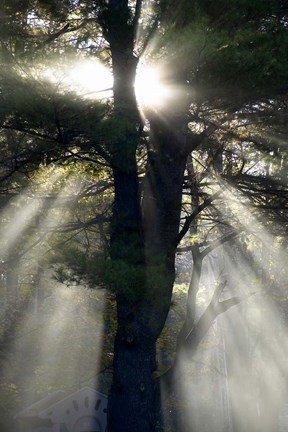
(130, 332)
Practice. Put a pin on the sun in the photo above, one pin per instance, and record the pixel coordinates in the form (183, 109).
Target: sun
(150, 88)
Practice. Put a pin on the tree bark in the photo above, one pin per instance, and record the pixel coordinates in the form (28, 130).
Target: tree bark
(133, 396)
(131, 402)
(143, 237)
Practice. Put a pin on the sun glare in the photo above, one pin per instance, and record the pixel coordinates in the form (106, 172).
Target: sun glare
(88, 78)
(91, 79)
(150, 89)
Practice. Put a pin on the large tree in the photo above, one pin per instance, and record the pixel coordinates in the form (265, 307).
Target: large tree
(227, 65)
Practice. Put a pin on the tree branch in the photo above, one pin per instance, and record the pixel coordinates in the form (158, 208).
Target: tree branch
(193, 215)
(137, 16)
(209, 245)
(66, 29)
(54, 36)
(192, 341)
(194, 140)
(215, 308)
(218, 242)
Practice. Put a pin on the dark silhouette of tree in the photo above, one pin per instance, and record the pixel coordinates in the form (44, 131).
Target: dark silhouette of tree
(227, 62)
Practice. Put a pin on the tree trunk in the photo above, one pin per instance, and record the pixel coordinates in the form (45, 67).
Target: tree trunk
(12, 284)
(142, 247)
(12, 294)
(191, 299)
(132, 401)
(149, 247)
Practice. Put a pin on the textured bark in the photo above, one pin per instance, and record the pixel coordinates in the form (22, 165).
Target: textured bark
(134, 393)
(191, 298)
(161, 208)
(12, 284)
(142, 237)
(132, 400)
(131, 403)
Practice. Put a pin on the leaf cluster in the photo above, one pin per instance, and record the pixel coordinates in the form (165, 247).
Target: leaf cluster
(232, 50)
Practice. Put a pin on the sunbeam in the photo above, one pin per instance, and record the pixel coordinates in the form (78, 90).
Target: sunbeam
(20, 213)
(93, 80)
(52, 336)
(243, 356)
(236, 379)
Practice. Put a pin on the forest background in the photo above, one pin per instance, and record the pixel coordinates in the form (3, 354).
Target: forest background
(144, 224)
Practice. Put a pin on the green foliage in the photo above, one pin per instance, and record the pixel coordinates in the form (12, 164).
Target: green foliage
(37, 105)
(226, 49)
(98, 271)
(55, 9)
(74, 266)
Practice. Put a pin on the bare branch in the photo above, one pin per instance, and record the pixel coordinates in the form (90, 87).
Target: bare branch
(214, 309)
(218, 242)
(65, 228)
(54, 36)
(209, 245)
(194, 140)
(190, 218)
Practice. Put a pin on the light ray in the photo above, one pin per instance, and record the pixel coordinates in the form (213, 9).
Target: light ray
(88, 78)
(51, 345)
(255, 334)
(20, 213)
(91, 79)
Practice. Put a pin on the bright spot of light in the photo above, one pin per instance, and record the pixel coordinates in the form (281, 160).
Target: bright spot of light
(88, 78)
(150, 87)
(91, 79)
